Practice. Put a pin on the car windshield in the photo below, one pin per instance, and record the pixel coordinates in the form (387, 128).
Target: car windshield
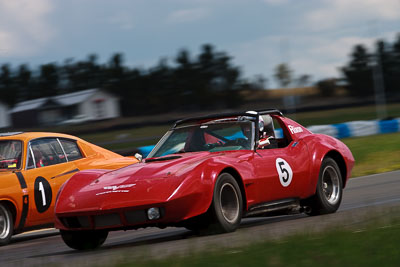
(10, 154)
(211, 136)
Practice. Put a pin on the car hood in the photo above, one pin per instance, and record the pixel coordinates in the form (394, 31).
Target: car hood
(150, 182)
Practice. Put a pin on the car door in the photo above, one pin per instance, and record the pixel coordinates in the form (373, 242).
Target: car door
(292, 169)
(282, 166)
(267, 180)
(47, 168)
(73, 154)
(282, 172)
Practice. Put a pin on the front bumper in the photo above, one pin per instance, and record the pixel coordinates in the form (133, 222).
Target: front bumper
(172, 212)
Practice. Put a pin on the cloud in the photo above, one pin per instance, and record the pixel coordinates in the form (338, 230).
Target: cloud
(23, 26)
(122, 20)
(258, 56)
(276, 2)
(188, 15)
(337, 48)
(319, 56)
(339, 12)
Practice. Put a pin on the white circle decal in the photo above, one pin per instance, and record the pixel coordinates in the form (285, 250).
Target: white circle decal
(284, 171)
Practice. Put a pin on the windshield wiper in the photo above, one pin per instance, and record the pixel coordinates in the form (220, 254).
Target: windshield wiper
(162, 159)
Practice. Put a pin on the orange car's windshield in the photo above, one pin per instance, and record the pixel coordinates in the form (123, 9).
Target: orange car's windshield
(10, 154)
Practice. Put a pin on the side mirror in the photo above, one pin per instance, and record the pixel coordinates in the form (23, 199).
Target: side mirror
(139, 157)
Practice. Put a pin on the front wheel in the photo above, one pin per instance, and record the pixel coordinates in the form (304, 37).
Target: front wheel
(84, 240)
(329, 189)
(227, 206)
(6, 225)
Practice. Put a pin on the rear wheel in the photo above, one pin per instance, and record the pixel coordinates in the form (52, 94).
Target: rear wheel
(329, 189)
(6, 225)
(84, 240)
(227, 206)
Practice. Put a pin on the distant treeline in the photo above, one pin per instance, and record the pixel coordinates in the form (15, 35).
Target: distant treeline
(206, 81)
(377, 68)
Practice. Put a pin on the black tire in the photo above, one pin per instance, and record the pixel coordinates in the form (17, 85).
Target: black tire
(328, 195)
(6, 225)
(198, 224)
(84, 240)
(227, 205)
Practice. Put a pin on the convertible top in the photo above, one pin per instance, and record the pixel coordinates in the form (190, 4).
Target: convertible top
(228, 115)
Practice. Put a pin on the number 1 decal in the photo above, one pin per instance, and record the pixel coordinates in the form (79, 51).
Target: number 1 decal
(284, 171)
(41, 189)
(43, 194)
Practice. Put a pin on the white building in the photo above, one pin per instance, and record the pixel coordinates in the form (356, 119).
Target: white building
(92, 104)
(4, 116)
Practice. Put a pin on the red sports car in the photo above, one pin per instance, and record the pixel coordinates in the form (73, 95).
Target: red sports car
(206, 174)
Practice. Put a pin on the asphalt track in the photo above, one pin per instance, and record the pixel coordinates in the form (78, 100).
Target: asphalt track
(363, 197)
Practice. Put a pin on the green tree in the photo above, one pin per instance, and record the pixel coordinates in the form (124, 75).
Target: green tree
(207, 80)
(183, 75)
(48, 80)
(216, 79)
(358, 72)
(395, 68)
(23, 81)
(283, 74)
(387, 67)
(327, 87)
(8, 91)
(303, 80)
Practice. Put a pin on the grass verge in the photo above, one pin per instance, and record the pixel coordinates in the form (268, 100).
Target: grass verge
(366, 244)
(375, 154)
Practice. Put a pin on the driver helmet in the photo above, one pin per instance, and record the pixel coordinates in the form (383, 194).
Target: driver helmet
(260, 124)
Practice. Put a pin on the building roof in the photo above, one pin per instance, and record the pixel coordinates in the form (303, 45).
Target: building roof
(74, 98)
(63, 100)
(28, 105)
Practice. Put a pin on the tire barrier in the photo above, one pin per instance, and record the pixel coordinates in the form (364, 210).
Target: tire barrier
(358, 128)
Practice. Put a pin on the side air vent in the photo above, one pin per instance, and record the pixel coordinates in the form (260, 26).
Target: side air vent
(106, 220)
(135, 216)
(76, 222)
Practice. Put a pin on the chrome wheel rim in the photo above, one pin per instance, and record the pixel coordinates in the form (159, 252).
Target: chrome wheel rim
(331, 185)
(229, 202)
(5, 226)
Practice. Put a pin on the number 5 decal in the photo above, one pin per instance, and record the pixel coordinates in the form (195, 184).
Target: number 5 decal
(284, 171)
(43, 194)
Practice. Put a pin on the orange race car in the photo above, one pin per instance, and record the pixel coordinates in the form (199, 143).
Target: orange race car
(33, 166)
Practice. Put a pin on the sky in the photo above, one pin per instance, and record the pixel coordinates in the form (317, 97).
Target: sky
(315, 37)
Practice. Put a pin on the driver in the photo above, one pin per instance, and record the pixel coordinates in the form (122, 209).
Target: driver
(265, 134)
(246, 130)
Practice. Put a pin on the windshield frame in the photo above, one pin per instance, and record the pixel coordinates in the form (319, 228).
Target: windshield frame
(200, 125)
